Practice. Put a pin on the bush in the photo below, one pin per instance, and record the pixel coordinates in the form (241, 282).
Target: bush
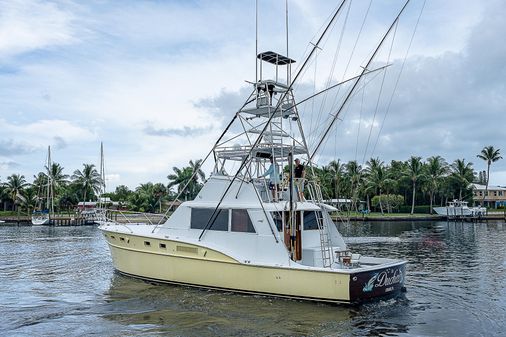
(389, 202)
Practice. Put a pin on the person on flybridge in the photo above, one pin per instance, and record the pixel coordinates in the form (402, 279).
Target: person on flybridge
(274, 180)
(300, 175)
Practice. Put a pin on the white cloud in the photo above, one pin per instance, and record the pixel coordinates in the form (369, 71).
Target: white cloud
(180, 66)
(27, 25)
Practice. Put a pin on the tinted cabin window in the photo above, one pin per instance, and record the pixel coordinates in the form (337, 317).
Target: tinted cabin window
(200, 217)
(310, 222)
(241, 221)
(278, 221)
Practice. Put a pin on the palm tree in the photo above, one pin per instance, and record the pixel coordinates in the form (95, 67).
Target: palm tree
(14, 186)
(160, 191)
(437, 168)
(122, 192)
(146, 197)
(40, 185)
(58, 179)
(88, 180)
(325, 178)
(181, 178)
(197, 167)
(490, 155)
(415, 173)
(29, 198)
(462, 173)
(186, 177)
(376, 178)
(337, 169)
(3, 195)
(354, 175)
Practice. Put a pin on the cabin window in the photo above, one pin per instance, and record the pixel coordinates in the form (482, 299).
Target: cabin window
(163, 246)
(241, 221)
(147, 243)
(278, 220)
(310, 221)
(200, 217)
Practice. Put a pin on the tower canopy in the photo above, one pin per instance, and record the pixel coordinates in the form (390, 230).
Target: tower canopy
(275, 58)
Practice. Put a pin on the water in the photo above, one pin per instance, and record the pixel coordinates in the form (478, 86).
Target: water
(60, 282)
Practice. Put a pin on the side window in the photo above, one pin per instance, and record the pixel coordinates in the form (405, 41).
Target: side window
(241, 221)
(278, 220)
(310, 221)
(200, 217)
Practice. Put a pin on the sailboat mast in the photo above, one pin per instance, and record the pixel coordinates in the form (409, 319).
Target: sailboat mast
(49, 203)
(102, 167)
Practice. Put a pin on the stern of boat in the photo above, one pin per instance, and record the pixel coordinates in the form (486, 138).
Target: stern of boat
(381, 283)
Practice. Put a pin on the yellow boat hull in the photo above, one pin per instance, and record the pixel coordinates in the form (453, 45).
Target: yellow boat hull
(165, 260)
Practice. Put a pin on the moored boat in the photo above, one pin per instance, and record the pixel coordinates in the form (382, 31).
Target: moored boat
(249, 234)
(459, 208)
(41, 215)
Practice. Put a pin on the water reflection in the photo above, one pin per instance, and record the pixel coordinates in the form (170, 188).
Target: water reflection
(180, 310)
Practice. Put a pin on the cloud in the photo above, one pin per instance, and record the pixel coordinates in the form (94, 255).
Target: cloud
(59, 143)
(10, 147)
(27, 25)
(8, 165)
(41, 133)
(181, 132)
(74, 73)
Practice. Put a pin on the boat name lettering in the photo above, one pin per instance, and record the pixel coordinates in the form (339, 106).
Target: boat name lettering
(383, 280)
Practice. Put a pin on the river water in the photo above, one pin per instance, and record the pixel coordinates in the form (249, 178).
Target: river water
(60, 282)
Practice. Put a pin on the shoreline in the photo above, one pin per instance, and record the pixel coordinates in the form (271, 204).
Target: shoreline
(72, 221)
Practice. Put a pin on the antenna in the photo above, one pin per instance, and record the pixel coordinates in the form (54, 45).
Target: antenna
(256, 41)
(288, 68)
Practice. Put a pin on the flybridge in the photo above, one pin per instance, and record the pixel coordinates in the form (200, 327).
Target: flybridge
(269, 121)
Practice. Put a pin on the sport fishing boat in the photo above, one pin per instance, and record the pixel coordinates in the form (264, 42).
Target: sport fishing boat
(459, 208)
(245, 234)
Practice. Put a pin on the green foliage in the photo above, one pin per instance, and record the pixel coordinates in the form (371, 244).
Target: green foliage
(422, 209)
(88, 180)
(399, 185)
(189, 180)
(391, 202)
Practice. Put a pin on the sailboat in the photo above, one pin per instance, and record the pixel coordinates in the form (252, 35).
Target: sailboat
(97, 213)
(242, 233)
(41, 216)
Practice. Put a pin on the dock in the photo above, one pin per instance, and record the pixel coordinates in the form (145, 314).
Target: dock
(418, 217)
(55, 221)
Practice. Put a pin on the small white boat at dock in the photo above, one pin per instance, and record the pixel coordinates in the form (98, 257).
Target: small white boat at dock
(460, 209)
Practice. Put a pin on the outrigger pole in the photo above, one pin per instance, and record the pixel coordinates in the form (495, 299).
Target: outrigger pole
(364, 71)
(243, 163)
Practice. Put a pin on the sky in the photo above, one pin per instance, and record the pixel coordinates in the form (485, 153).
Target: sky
(157, 81)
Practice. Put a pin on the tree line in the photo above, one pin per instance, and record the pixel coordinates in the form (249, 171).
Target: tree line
(385, 187)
